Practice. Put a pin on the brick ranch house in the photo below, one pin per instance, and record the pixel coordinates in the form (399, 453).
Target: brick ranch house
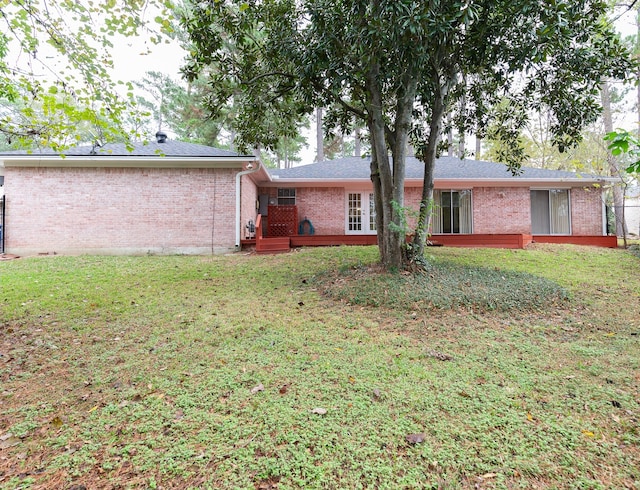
(168, 197)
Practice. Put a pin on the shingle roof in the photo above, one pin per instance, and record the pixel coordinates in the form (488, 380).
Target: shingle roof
(446, 168)
(169, 148)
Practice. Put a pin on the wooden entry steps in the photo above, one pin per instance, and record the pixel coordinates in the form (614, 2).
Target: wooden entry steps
(273, 245)
(270, 245)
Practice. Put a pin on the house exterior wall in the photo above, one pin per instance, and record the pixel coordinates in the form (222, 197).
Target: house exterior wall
(501, 210)
(248, 199)
(412, 198)
(119, 210)
(496, 210)
(586, 211)
(324, 207)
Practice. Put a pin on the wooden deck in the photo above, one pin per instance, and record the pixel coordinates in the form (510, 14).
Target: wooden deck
(596, 241)
(279, 244)
(268, 245)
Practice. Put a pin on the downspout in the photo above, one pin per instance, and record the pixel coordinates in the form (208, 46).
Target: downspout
(238, 177)
(605, 218)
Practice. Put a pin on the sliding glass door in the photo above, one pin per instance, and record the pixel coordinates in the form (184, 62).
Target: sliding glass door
(550, 213)
(452, 212)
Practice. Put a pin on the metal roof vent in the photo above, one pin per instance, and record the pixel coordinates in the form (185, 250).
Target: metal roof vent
(161, 137)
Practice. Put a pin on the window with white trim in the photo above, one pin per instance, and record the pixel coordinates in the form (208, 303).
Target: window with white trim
(286, 196)
(452, 212)
(550, 212)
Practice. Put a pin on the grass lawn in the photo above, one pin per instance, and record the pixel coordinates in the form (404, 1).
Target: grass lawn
(495, 369)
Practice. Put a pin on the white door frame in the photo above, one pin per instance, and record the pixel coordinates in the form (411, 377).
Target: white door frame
(359, 215)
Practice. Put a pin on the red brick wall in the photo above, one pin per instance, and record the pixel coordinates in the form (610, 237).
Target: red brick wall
(501, 210)
(248, 198)
(586, 211)
(324, 207)
(119, 210)
(412, 197)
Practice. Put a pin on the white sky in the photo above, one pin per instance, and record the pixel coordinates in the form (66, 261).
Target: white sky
(131, 61)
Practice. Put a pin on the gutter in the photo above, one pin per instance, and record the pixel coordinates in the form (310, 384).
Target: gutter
(449, 182)
(238, 177)
(142, 161)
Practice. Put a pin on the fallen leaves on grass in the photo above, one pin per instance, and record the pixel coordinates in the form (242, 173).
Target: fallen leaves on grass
(415, 438)
(441, 356)
(8, 440)
(488, 476)
(257, 388)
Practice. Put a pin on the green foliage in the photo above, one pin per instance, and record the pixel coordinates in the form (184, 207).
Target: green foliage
(400, 67)
(404, 214)
(623, 142)
(504, 135)
(45, 104)
(183, 109)
(287, 151)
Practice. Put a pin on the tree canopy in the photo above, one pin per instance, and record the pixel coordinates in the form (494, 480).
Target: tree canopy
(56, 88)
(400, 66)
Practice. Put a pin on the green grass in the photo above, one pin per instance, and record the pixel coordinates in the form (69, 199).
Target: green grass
(520, 369)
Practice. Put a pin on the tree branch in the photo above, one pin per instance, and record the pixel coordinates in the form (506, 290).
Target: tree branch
(269, 74)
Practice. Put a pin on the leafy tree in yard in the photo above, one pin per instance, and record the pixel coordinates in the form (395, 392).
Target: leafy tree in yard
(588, 156)
(288, 151)
(43, 102)
(622, 142)
(400, 66)
(182, 108)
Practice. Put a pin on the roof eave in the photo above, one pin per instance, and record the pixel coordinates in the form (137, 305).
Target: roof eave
(277, 181)
(520, 181)
(111, 161)
(456, 182)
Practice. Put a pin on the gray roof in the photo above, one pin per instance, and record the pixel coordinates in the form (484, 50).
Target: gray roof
(446, 168)
(169, 148)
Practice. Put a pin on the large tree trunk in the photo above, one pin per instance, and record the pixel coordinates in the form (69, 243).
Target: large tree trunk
(319, 136)
(386, 188)
(614, 171)
(428, 157)
(637, 53)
